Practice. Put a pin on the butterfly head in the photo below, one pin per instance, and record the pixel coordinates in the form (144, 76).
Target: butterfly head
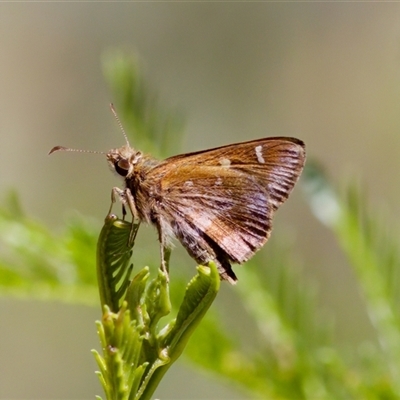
(123, 160)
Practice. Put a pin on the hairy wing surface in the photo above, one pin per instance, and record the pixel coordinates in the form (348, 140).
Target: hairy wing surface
(231, 192)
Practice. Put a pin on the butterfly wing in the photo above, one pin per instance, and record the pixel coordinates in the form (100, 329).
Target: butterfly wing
(230, 193)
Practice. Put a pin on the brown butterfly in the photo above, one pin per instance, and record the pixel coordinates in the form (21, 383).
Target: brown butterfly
(219, 203)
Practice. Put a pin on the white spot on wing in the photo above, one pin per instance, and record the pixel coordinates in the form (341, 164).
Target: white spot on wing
(225, 162)
(259, 155)
(218, 182)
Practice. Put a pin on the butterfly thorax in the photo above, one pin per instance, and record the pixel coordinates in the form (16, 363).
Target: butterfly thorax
(134, 167)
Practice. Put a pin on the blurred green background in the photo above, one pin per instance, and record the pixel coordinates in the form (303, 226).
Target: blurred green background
(328, 73)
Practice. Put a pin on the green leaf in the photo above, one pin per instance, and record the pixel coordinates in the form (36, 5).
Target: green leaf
(114, 251)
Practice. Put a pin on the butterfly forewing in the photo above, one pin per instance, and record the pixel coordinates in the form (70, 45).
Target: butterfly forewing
(275, 162)
(230, 193)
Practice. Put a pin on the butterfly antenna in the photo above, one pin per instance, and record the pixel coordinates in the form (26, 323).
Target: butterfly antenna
(120, 124)
(62, 148)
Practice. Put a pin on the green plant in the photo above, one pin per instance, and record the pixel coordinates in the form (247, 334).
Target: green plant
(136, 352)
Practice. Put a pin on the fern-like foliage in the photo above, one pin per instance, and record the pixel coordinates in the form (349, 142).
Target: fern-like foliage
(136, 351)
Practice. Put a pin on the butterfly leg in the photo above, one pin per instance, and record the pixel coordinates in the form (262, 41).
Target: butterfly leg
(135, 216)
(126, 198)
(120, 194)
(165, 250)
(165, 255)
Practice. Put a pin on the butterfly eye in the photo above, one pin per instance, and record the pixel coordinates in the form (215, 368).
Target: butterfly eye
(122, 167)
